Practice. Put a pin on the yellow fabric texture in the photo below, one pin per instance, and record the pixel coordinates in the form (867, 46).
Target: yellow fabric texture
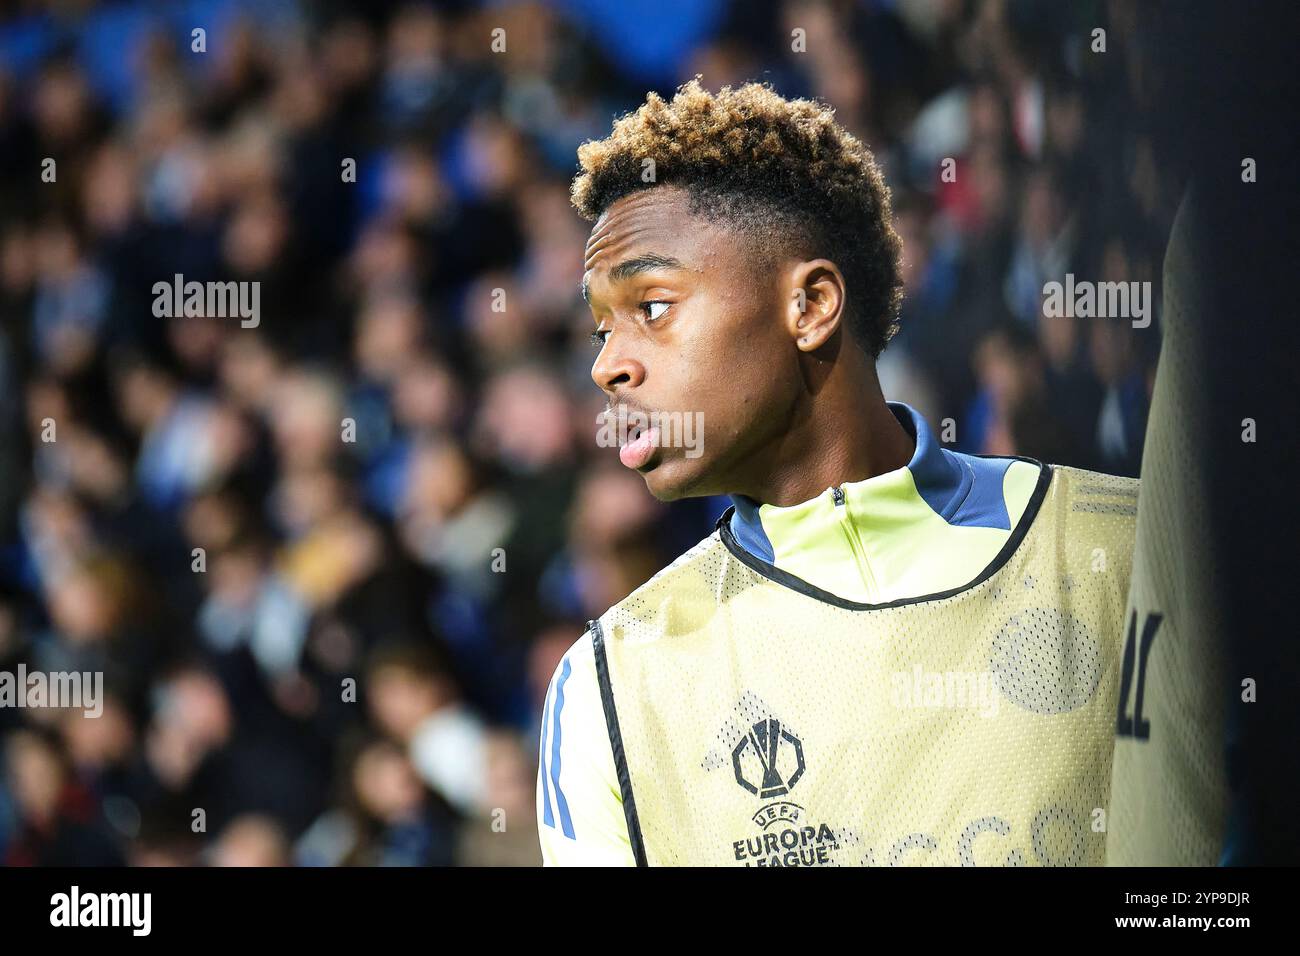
(760, 725)
(885, 542)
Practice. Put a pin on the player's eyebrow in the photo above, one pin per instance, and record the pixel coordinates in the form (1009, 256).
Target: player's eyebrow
(635, 266)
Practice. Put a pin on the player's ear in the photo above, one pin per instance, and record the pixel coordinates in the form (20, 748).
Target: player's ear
(816, 305)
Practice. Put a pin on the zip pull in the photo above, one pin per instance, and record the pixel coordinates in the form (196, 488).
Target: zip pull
(838, 494)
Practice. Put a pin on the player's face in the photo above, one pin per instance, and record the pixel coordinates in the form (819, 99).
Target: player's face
(692, 325)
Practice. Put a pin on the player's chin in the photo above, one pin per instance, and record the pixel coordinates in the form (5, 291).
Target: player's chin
(670, 475)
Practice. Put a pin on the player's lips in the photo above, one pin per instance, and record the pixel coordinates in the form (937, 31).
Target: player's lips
(640, 447)
(637, 445)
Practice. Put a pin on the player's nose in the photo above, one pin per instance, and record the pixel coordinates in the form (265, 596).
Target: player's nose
(613, 370)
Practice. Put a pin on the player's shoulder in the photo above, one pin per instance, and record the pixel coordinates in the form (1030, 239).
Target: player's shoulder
(579, 810)
(1097, 509)
(682, 582)
(573, 711)
(1096, 488)
(576, 668)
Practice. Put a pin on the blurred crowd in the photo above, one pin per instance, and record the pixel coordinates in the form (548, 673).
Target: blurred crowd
(327, 564)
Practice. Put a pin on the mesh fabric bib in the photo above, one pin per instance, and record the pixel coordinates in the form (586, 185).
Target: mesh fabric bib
(758, 721)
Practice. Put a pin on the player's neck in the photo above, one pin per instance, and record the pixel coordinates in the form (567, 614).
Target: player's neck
(845, 432)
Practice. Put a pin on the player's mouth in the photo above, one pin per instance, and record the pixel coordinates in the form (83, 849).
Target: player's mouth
(642, 443)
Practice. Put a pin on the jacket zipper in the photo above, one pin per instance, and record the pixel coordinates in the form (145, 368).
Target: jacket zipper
(855, 542)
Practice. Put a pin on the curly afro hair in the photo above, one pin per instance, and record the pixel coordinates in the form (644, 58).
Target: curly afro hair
(771, 167)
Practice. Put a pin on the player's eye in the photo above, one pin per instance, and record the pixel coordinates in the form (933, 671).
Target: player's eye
(649, 309)
(598, 338)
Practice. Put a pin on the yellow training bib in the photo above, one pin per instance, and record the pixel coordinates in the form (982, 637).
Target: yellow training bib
(757, 721)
